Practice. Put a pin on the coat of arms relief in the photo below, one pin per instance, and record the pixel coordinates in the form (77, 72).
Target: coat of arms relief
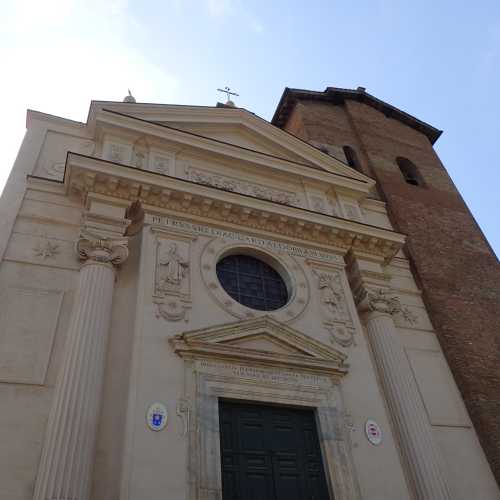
(337, 317)
(172, 288)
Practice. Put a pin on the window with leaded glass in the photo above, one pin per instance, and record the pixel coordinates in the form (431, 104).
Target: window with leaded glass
(252, 282)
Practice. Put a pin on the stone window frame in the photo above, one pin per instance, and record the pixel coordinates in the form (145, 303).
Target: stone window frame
(287, 266)
(262, 274)
(205, 388)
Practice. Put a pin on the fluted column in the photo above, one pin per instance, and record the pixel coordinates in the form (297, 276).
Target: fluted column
(66, 464)
(412, 425)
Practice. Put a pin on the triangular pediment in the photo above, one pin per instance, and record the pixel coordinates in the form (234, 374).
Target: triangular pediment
(262, 340)
(234, 126)
(240, 135)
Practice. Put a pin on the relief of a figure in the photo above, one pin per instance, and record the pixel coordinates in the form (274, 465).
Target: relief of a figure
(173, 268)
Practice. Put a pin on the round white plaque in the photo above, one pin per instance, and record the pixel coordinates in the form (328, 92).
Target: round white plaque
(156, 416)
(373, 432)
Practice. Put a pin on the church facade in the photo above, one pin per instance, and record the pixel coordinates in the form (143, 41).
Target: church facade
(197, 304)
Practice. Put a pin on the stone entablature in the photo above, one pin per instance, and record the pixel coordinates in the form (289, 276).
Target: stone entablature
(87, 174)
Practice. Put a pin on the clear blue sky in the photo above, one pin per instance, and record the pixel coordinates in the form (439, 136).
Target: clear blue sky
(438, 60)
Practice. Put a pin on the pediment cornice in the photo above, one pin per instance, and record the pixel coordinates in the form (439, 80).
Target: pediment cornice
(324, 169)
(163, 194)
(227, 342)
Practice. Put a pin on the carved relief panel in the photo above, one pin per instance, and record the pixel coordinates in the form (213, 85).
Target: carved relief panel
(116, 151)
(324, 203)
(172, 283)
(162, 162)
(351, 210)
(331, 290)
(237, 185)
(140, 153)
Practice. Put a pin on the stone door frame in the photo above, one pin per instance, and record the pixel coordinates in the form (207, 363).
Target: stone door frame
(208, 380)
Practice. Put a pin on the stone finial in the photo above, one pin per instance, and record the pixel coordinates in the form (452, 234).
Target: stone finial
(129, 98)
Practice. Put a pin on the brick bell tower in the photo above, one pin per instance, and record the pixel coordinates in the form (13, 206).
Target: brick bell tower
(452, 261)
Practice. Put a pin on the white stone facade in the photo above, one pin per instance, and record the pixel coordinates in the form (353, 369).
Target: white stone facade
(152, 197)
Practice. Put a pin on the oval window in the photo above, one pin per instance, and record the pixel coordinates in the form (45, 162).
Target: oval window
(252, 282)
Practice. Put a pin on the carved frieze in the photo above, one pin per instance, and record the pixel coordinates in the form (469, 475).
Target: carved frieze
(172, 285)
(242, 187)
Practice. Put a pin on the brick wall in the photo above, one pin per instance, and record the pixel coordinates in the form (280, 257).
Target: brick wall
(452, 261)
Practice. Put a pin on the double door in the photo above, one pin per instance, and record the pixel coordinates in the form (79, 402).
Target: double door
(270, 453)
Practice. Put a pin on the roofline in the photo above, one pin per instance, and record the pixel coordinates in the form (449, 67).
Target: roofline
(337, 95)
(32, 114)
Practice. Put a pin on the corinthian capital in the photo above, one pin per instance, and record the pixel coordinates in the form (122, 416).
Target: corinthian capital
(92, 247)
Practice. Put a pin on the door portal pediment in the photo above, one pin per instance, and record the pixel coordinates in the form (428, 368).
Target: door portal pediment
(264, 341)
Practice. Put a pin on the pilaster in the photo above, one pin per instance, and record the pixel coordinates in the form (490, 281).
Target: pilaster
(420, 452)
(66, 464)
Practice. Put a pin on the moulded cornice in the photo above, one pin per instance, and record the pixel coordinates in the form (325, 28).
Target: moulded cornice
(159, 193)
(155, 113)
(33, 115)
(304, 351)
(358, 188)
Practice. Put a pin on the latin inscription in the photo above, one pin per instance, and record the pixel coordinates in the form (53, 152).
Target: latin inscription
(276, 246)
(264, 375)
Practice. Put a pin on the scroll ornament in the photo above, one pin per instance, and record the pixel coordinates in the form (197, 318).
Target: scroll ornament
(92, 248)
(382, 300)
